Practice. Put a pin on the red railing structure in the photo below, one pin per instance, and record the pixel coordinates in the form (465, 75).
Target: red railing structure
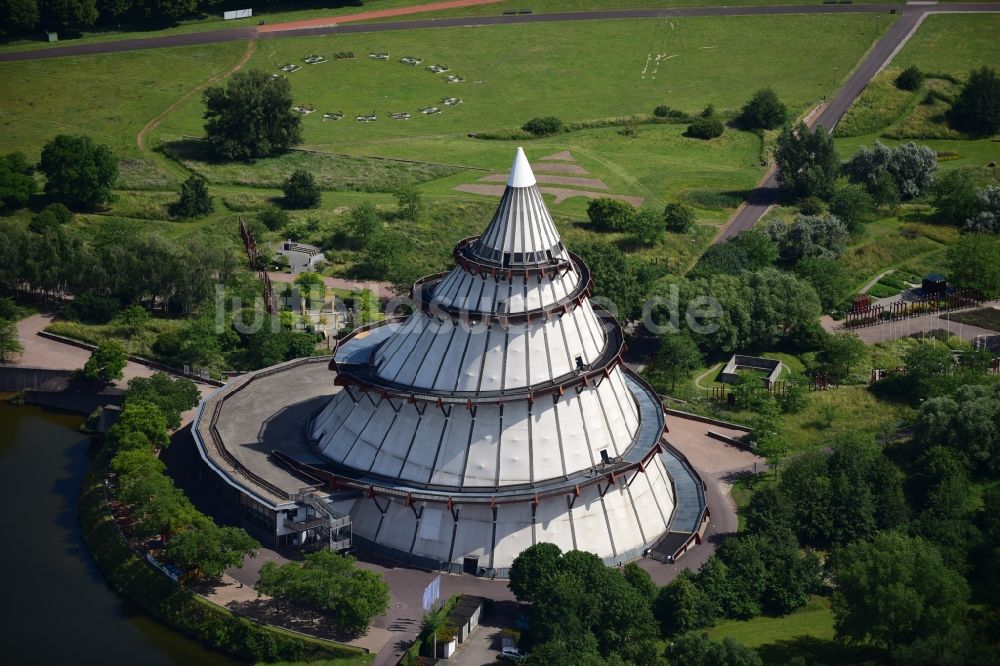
(253, 256)
(865, 314)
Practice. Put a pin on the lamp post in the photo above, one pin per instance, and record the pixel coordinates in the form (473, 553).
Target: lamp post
(834, 77)
(877, 17)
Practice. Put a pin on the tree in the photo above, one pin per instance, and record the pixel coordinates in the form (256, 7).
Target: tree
(301, 190)
(106, 362)
(678, 218)
(894, 589)
(611, 214)
(705, 128)
(618, 278)
(839, 353)
(17, 183)
(640, 580)
(10, 343)
(987, 219)
(172, 396)
(532, 568)
(781, 305)
(275, 219)
(330, 583)
(910, 78)
(977, 109)
(831, 280)
(646, 226)
(143, 417)
(363, 224)
(68, 14)
(194, 200)
(852, 205)
(682, 606)
(763, 111)
(133, 319)
(823, 236)
(409, 201)
(795, 395)
(975, 263)
(956, 200)
(911, 168)
(208, 550)
(677, 357)
(807, 161)
(696, 649)
(78, 172)
(251, 117)
(543, 126)
(771, 443)
(19, 15)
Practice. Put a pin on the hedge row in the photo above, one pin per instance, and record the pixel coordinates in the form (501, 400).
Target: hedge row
(133, 578)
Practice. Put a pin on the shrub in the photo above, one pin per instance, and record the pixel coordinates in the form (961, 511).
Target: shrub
(274, 219)
(678, 218)
(910, 78)
(194, 200)
(543, 126)
(811, 205)
(853, 205)
(611, 214)
(90, 308)
(705, 128)
(301, 190)
(674, 115)
(763, 111)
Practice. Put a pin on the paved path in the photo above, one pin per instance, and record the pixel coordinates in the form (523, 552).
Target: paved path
(335, 26)
(902, 328)
(765, 195)
(42, 352)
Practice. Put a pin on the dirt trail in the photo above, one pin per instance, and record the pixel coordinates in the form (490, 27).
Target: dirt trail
(375, 14)
(140, 138)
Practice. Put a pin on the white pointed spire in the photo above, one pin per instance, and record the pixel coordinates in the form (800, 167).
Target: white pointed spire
(520, 172)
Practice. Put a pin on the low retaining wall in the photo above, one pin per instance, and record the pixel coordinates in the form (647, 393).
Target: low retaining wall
(706, 419)
(155, 365)
(15, 378)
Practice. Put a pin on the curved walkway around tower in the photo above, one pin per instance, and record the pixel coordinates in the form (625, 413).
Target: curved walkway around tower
(253, 433)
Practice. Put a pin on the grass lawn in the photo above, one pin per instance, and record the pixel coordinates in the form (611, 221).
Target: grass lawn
(514, 72)
(807, 633)
(109, 97)
(953, 43)
(983, 317)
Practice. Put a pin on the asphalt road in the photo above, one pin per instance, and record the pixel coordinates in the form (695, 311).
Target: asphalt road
(765, 195)
(273, 31)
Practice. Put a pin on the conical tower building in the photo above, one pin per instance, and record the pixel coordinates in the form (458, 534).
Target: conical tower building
(498, 414)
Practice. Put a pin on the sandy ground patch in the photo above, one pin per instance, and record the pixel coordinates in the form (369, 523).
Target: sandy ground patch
(563, 155)
(560, 193)
(554, 180)
(557, 168)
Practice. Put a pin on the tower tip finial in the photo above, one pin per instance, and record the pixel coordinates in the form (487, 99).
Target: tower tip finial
(520, 172)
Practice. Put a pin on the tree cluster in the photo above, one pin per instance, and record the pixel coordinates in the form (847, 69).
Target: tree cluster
(331, 584)
(808, 236)
(974, 263)
(753, 310)
(78, 172)
(577, 600)
(977, 109)
(10, 343)
(17, 181)
(891, 173)
(251, 116)
(620, 280)
(749, 250)
(807, 161)
(155, 505)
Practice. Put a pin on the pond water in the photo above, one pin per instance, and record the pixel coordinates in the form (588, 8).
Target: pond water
(55, 605)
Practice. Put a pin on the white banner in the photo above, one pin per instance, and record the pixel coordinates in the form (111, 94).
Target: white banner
(432, 593)
(238, 14)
